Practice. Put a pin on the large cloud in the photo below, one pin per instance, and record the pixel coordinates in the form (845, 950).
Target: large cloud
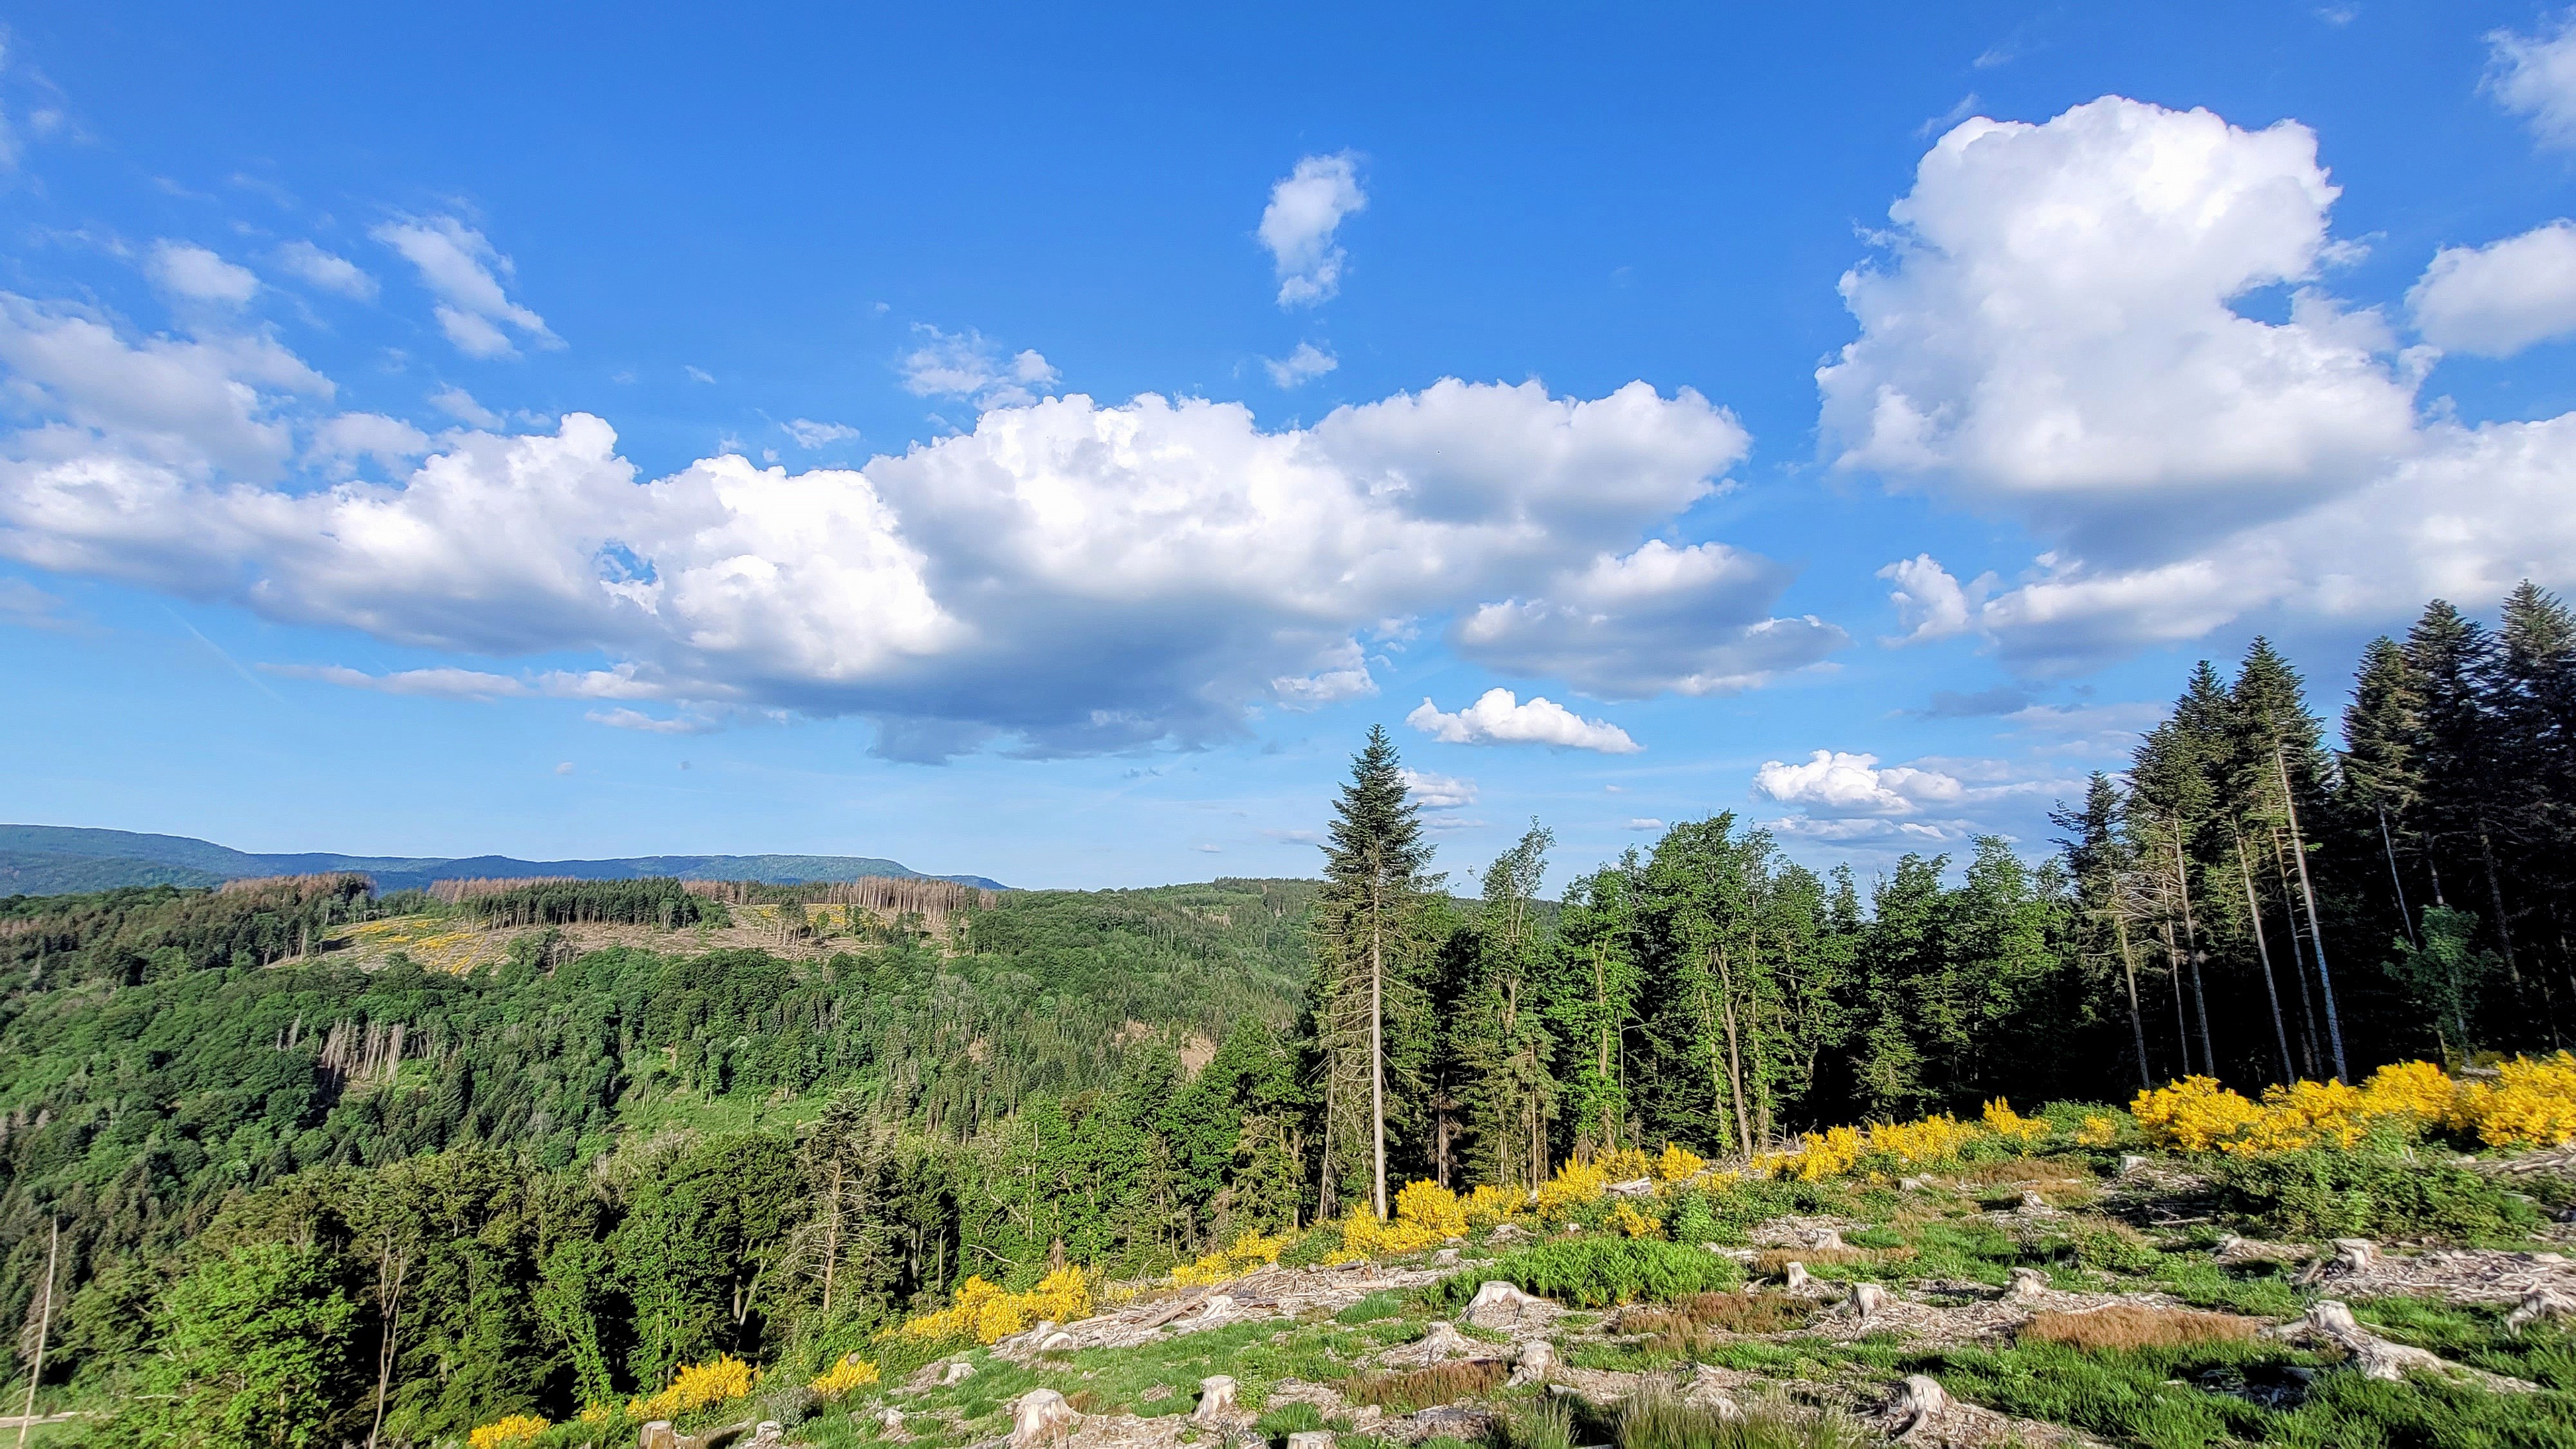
(2534, 76)
(2054, 337)
(1077, 577)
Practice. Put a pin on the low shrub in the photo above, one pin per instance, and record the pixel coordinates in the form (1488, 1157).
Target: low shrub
(2324, 1193)
(1596, 1272)
(2112, 1248)
(2123, 1326)
(1440, 1383)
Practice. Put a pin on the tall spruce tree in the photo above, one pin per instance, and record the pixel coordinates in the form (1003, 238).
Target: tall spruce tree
(1374, 886)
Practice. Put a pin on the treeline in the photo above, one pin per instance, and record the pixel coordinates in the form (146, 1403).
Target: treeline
(665, 903)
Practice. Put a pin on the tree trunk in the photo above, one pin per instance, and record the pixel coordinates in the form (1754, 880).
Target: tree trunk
(44, 1327)
(2192, 953)
(2298, 959)
(2263, 953)
(2173, 969)
(1734, 1056)
(391, 1269)
(2137, 1020)
(1377, 1045)
(2396, 882)
(2316, 928)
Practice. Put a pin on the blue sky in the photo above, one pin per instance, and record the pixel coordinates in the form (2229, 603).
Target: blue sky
(1039, 444)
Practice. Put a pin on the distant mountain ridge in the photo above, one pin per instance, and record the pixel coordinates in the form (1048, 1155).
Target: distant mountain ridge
(37, 860)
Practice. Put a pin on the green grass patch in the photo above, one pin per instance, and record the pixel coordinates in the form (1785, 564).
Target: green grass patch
(1595, 1272)
(2326, 1193)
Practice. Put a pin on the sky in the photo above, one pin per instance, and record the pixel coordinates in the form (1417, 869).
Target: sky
(1041, 443)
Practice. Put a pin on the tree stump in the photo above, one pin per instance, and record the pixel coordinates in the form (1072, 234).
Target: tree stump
(1797, 1277)
(1311, 1439)
(1919, 1401)
(1216, 1399)
(958, 1373)
(1502, 1305)
(1867, 1299)
(1041, 1416)
(1537, 1360)
(2355, 1255)
(2027, 1283)
(2536, 1305)
(657, 1435)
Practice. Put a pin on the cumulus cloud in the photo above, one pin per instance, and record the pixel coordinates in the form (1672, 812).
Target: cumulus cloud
(1930, 604)
(459, 266)
(1660, 619)
(2498, 299)
(1644, 823)
(1300, 367)
(964, 365)
(1499, 718)
(1438, 792)
(2534, 77)
(811, 434)
(2051, 332)
(1305, 211)
(1067, 578)
(2052, 336)
(200, 405)
(327, 270)
(195, 274)
(1831, 783)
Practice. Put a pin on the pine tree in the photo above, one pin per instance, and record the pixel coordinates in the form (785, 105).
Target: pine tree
(2381, 780)
(1505, 1045)
(1593, 978)
(2101, 859)
(1374, 882)
(2454, 661)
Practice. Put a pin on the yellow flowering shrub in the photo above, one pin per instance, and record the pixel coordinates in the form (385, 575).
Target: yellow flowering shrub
(2302, 1114)
(1837, 1150)
(1492, 1204)
(2192, 1115)
(2532, 1104)
(506, 1431)
(695, 1387)
(2419, 1090)
(850, 1373)
(1635, 1224)
(1250, 1251)
(2003, 1121)
(1678, 1164)
(596, 1413)
(1625, 1164)
(2097, 1131)
(989, 1314)
(1575, 1184)
(1433, 1207)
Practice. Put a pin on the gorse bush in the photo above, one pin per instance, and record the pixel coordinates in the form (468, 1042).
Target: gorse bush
(2328, 1193)
(2531, 1104)
(1596, 1272)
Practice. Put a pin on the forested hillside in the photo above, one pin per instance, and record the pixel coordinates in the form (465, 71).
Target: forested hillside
(553, 1179)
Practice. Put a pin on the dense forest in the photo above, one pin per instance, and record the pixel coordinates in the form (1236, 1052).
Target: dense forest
(416, 1200)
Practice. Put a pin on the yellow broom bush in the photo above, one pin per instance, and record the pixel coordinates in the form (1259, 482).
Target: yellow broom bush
(1250, 1251)
(695, 1387)
(2532, 1104)
(1678, 1164)
(506, 1431)
(989, 1313)
(2003, 1121)
(850, 1373)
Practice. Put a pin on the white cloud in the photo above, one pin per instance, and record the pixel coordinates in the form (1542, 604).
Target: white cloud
(2052, 336)
(1930, 604)
(1067, 578)
(2534, 76)
(964, 365)
(1830, 783)
(2051, 332)
(1660, 619)
(2498, 299)
(696, 373)
(351, 436)
(439, 683)
(1499, 718)
(198, 275)
(459, 404)
(195, 405)
(458, 265)
(1305, 210)
(623, 718)
(564, 768)
(1438, 792)
(1643, 823)
(330, 272)
(811, 434)
(1300, 367)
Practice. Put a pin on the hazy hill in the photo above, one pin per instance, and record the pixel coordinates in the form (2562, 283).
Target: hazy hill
(40, 860)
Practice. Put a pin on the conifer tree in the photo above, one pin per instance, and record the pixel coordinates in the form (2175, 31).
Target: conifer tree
(1374, 856)
(1591, 1001)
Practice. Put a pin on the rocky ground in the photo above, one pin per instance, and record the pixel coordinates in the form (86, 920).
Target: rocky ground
(2043, 1303)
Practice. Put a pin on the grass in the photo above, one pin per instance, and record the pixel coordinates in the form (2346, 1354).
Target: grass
(1440, 1383)
(1659, 1421)
(1729, 1312)
(1595, 1272)
(2136, 1325)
